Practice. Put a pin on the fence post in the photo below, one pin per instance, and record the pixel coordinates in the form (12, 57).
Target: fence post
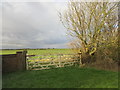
(21, 57)
(25, 60)
(80, 57)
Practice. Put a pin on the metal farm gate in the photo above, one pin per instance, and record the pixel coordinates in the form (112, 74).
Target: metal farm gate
(38, 62)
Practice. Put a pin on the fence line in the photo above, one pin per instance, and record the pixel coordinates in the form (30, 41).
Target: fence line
(50, 55)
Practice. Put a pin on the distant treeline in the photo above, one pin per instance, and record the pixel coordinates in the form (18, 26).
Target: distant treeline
(33, 48)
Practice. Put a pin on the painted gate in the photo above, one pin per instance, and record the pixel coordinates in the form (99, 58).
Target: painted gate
(38, 62)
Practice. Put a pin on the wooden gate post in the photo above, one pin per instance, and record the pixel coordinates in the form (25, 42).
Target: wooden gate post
(25, 59)
(21, 58)
(80, 57)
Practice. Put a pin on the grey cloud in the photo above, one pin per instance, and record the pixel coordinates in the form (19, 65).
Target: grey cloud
(32, 25)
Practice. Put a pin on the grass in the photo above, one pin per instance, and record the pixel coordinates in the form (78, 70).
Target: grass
(67, 77)
(39, 52)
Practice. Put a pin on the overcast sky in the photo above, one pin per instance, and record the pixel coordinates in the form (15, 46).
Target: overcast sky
(33, 25)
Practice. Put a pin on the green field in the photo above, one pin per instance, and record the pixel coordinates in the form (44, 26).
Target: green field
(67, 77)
(39, 52)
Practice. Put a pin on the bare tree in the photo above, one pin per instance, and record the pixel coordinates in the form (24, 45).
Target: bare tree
(93, 24)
